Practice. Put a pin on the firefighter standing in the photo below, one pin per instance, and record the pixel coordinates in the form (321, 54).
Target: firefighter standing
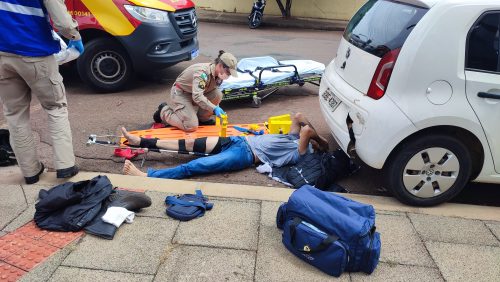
(195, 96)
(28, 67)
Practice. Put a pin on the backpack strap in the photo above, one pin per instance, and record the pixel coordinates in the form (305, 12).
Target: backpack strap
(172, 200)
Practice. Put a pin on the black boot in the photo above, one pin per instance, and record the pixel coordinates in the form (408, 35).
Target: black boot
(67, 172)
(157, 114)
(34, 179)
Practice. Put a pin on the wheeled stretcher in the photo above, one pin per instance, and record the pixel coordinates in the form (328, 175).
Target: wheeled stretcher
(260, 77)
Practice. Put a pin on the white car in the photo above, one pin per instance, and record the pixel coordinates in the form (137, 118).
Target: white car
(417, 83)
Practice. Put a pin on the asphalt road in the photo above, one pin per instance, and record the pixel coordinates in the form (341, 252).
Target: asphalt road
(103, 114)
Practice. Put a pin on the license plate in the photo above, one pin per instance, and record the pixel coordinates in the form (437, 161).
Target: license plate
(331, 99)
(194, 53)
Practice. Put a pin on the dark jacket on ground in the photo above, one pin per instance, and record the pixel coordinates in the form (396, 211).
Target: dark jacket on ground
(70, 206)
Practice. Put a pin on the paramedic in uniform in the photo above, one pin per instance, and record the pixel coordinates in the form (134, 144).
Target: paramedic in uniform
(195, 96)
(28, 67)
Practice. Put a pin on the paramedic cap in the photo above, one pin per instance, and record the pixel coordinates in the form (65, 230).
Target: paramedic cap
(230, 61)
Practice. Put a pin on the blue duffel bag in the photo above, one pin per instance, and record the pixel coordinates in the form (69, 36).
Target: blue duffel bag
(330, 232)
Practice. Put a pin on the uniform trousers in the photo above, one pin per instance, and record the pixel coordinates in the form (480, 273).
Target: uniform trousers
(21, 78)
(183, 113)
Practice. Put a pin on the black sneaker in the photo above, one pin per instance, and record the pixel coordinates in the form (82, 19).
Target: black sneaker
(157, 114)
(207, 122)
(36, 178)
(67, 172)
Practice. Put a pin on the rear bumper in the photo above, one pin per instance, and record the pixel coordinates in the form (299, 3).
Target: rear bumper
(378, 125)
(140, 45)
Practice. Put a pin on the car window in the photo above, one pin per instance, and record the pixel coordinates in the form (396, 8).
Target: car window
(382, 25)
(483, 44)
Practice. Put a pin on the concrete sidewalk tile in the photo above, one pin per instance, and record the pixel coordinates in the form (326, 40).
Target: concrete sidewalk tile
(63, 274)
(459, 262)
(136, 247)
(274, 261)
(400, 242)
(2, 233)
(390, 213)
(157, 208)
(229, 224)
(268, 213)
(396, 272)
(494, 226)
(12, 203)
(21, 220)
(190, 263)
(45, 270)
(31, 192)
(453, 230)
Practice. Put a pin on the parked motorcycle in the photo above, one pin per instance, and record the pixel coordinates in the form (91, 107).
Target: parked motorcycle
(255, 18)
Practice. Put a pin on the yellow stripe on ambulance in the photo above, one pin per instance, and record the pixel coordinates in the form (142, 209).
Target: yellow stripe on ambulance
(110, 17)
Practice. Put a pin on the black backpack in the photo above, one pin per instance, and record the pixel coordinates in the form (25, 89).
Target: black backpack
(7, 156)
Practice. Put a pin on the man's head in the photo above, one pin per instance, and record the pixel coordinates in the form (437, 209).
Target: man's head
(323, 148)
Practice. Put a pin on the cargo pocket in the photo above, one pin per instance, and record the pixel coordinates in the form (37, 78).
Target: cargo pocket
(58, 90)
(314, 246)
(38, 66)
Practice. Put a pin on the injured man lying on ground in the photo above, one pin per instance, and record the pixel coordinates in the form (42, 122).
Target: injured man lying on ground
(233, 153)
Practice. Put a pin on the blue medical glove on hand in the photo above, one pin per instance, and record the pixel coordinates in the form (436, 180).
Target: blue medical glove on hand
(218, 111)
(77, 44)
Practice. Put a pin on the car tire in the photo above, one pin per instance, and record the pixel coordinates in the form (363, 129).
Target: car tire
(104, 65)
(429, 170)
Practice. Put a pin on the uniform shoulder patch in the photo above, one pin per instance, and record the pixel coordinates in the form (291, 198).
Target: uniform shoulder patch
(204, 76)
(202, 84)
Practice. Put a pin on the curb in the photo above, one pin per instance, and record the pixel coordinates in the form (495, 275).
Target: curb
(271, 21)
(262, 193)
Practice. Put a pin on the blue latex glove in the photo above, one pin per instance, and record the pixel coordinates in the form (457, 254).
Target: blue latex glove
(218, 111)
(77, 44)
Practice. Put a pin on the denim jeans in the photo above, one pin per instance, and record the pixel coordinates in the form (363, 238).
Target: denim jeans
(235, 155)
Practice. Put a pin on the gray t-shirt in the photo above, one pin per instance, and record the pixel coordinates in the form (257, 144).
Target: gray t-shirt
(275, 149)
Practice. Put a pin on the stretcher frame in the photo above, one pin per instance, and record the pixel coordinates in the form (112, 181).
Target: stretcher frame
(259, 87)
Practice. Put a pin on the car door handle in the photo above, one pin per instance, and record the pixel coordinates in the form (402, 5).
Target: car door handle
(488, 95)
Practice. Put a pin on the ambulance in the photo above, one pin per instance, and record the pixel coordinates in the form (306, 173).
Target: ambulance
(123, 37)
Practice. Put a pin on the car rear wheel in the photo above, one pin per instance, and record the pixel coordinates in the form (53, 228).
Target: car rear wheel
(429, 170)
(104, 65)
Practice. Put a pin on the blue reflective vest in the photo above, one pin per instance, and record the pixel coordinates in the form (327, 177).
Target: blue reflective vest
(25, 29)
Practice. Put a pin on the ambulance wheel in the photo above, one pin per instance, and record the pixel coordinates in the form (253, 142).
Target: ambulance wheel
(104, 65)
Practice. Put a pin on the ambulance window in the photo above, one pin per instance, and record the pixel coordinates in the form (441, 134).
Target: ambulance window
(483, 44)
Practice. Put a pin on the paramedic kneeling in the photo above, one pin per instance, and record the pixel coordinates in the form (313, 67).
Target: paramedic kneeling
(195, 96)
(233, 153)
(28, 67)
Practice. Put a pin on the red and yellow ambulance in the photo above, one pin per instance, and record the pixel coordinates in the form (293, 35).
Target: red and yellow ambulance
(126, 36)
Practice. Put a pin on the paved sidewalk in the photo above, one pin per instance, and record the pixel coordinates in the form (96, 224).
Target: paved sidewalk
(270, 20)
(238, 239)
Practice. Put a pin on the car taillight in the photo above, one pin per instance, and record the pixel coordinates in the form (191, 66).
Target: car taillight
(382, 75)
